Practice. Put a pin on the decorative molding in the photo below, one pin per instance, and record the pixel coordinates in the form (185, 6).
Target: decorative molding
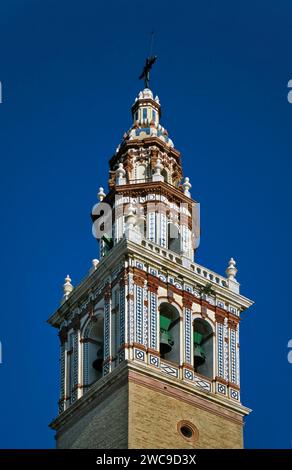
(169, 370)
(203, 384)
(233, 356)
(139, 320)
(187, 299)
(122, 316)
(154, 360)
(220, 349)
(107, 325)
(153, 322)
(187, 334)
(62, 377)
(220, 314)
(139, 355)
(233, 321)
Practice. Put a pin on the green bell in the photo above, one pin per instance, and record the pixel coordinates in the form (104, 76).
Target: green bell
(166, 341)
(107, 240)
(98, 362)
(199, 352)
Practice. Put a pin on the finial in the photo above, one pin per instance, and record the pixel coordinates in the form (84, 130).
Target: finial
(67, 288)
(130, 216)
(187, 186)
(231, 271)
(120, 174)
(101, 194)
(158, 167)
(95, 263)
(157, 176)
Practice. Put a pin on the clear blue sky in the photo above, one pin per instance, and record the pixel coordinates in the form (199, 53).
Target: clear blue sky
(69, 75)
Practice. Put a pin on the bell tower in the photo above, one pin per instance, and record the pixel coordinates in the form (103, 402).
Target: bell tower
(149, 340)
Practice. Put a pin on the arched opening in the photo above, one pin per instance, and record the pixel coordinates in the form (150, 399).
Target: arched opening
(203, 348)
(93, 343)
(174, 238)
(169, 323)
(140, 224)
(164, 173)
(141, 172)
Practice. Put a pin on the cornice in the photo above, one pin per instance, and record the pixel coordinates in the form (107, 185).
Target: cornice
(89, 282)
(191, 277)
(141, 189)
(147, 142)
(127, 247)
(146, 376)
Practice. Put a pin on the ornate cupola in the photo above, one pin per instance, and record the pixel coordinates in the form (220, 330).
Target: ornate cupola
(146, 142)
(149, 340)
(146, 167)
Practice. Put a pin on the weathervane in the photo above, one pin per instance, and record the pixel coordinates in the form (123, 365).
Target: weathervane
(145, 75)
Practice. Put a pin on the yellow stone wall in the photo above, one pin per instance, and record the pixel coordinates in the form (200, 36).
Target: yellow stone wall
(153, 418)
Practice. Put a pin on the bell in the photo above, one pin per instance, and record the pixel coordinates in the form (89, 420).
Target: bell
(97, 363)
(199, 353)
(166, 341)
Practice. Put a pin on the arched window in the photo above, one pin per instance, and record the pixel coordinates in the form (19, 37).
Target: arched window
(203, 347)
(169, 332)
(141, 172)
(164, 173)
(174, 238)
(93, 350)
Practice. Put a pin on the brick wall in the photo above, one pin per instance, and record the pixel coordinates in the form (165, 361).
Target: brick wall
(153, 418)
(143, 411)
(105, 426)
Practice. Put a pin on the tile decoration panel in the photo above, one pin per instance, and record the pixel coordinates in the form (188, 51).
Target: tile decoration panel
(62, 377)
(153, 320)
(188, 335)
(234, 394)
(203, 384)
(220, 350)
(107, 322)
(122, 319)
(154, 360)
(139, 355)
(130, 308)
(221, 388)
(139, 314)
(169, 370)
(188, 374)
(145, 316)
(226, 351)
(121, 356)
(233, 356)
